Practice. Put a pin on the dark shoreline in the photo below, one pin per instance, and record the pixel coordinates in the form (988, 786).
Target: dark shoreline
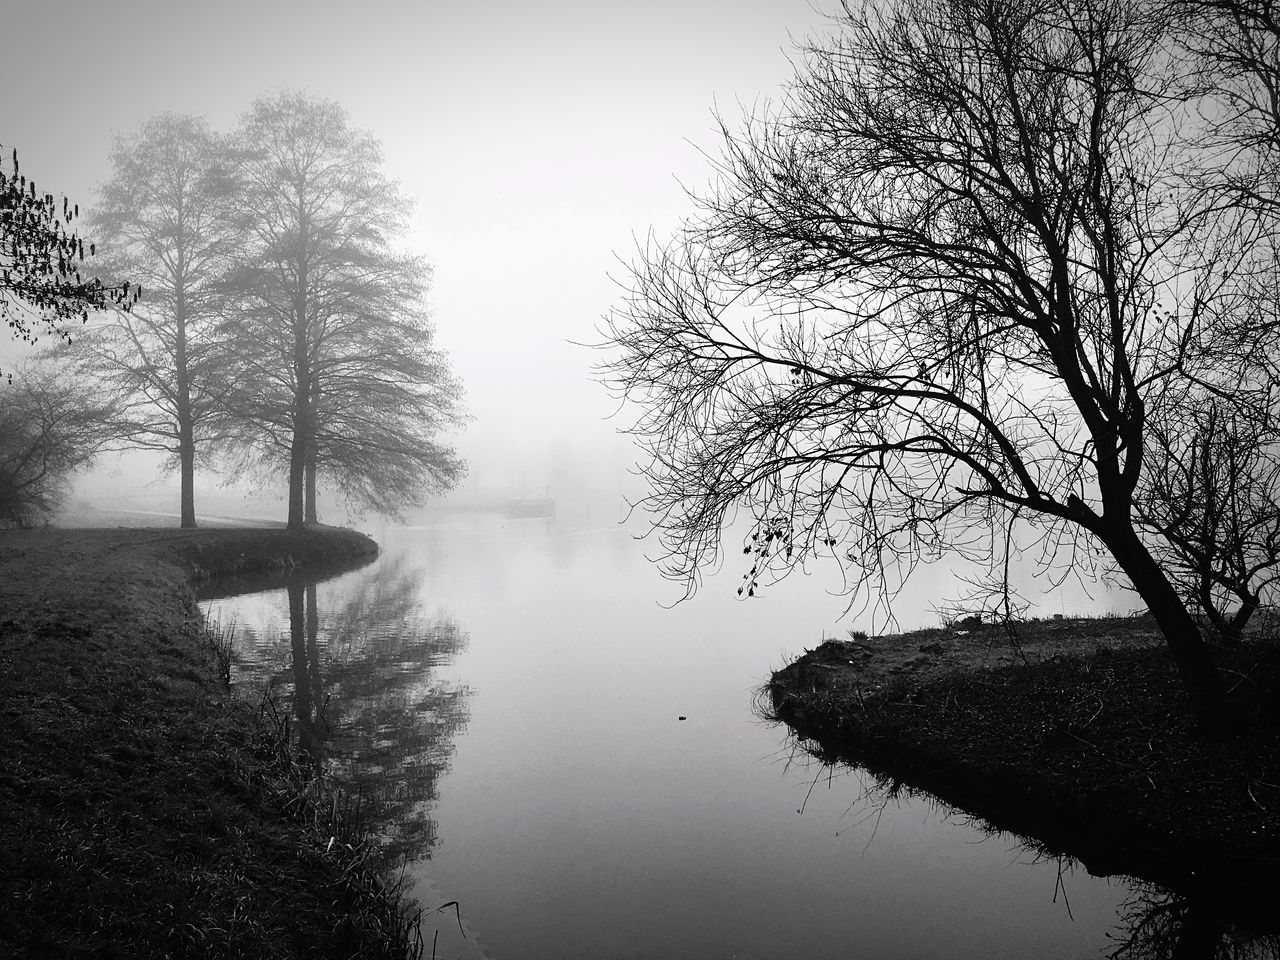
(144, 811)
(1068, 753)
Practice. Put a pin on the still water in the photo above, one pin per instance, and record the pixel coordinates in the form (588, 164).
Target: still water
(580, 768)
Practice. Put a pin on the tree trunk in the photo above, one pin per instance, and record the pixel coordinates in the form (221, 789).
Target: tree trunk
(297, 467)
(311, 484)
(1231, 632)
(1235, 631)
(1200, 675)
(303, 428)
(186, 426)
(187, 466)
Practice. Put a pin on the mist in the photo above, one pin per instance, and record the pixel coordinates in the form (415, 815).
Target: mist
(572, 479)
(537, 143)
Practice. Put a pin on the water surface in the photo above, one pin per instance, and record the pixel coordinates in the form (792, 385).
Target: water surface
(510, 693)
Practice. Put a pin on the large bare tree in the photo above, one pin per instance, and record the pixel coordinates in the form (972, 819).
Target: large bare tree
(161, 218)
(334, 344)
(937, 286)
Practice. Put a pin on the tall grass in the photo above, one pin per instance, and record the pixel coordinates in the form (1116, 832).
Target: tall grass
(374, 916)
(220, 639)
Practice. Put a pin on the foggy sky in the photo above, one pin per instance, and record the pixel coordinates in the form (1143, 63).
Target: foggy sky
(535, 138)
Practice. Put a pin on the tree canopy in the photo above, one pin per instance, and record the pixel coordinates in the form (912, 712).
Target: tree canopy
(283, 330)
(50, 426)
(334, 344)
(942, 286)
(161, 220)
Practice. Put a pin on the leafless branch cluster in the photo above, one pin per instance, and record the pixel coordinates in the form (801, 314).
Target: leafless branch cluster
(282, 332)
(49, 428)
(950, 277)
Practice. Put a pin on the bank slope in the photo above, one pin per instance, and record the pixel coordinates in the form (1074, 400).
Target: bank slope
(144, 812)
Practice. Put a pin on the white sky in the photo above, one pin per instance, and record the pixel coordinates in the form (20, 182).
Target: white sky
(535, 137)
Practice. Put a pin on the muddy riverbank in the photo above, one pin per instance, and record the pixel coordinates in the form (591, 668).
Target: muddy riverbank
(145, 812)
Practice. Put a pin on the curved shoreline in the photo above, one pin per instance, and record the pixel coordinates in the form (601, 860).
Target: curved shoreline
(143, 810)
(1062, 751)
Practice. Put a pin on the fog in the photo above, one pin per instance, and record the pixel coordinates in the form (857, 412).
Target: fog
(573, 754)
(536, 141)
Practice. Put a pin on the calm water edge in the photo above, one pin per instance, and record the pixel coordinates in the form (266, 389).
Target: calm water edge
(510, 694)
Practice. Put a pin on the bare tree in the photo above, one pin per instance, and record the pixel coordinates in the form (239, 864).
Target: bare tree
(380, 396)
(334, 345)
(1214, 500)
(50, 426)
(936, 285)
(1212, 491)
(1235, 63)
(161, 219)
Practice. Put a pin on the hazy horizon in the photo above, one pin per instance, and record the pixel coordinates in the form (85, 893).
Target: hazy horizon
(536, 141)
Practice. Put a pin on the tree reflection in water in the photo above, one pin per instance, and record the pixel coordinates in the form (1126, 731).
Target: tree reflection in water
(368, 707)
(1212, 922)
(1161, 925)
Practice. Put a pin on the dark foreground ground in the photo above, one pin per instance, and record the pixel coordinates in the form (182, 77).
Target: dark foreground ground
(144, 812)
(1078, 737)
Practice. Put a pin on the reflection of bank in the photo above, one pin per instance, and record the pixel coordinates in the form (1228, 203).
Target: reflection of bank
(1160, 925)
(368, 708)
(1202, 914)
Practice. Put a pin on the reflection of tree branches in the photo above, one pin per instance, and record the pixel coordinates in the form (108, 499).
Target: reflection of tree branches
(393, 726)
(1160, 925)
(875, 793)
(367, 704)
(1208, 922)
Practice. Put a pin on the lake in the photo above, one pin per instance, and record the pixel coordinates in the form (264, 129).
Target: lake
(576, 762)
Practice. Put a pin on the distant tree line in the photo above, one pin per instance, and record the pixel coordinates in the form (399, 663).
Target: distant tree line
(280, 332)
(989, 272)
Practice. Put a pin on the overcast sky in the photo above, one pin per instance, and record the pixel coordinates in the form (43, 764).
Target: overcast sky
(536, 138)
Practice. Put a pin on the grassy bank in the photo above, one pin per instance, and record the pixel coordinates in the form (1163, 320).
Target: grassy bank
(1080, 737)
(143, 811)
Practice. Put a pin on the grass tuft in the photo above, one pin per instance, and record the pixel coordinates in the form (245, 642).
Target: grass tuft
(221, 640)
